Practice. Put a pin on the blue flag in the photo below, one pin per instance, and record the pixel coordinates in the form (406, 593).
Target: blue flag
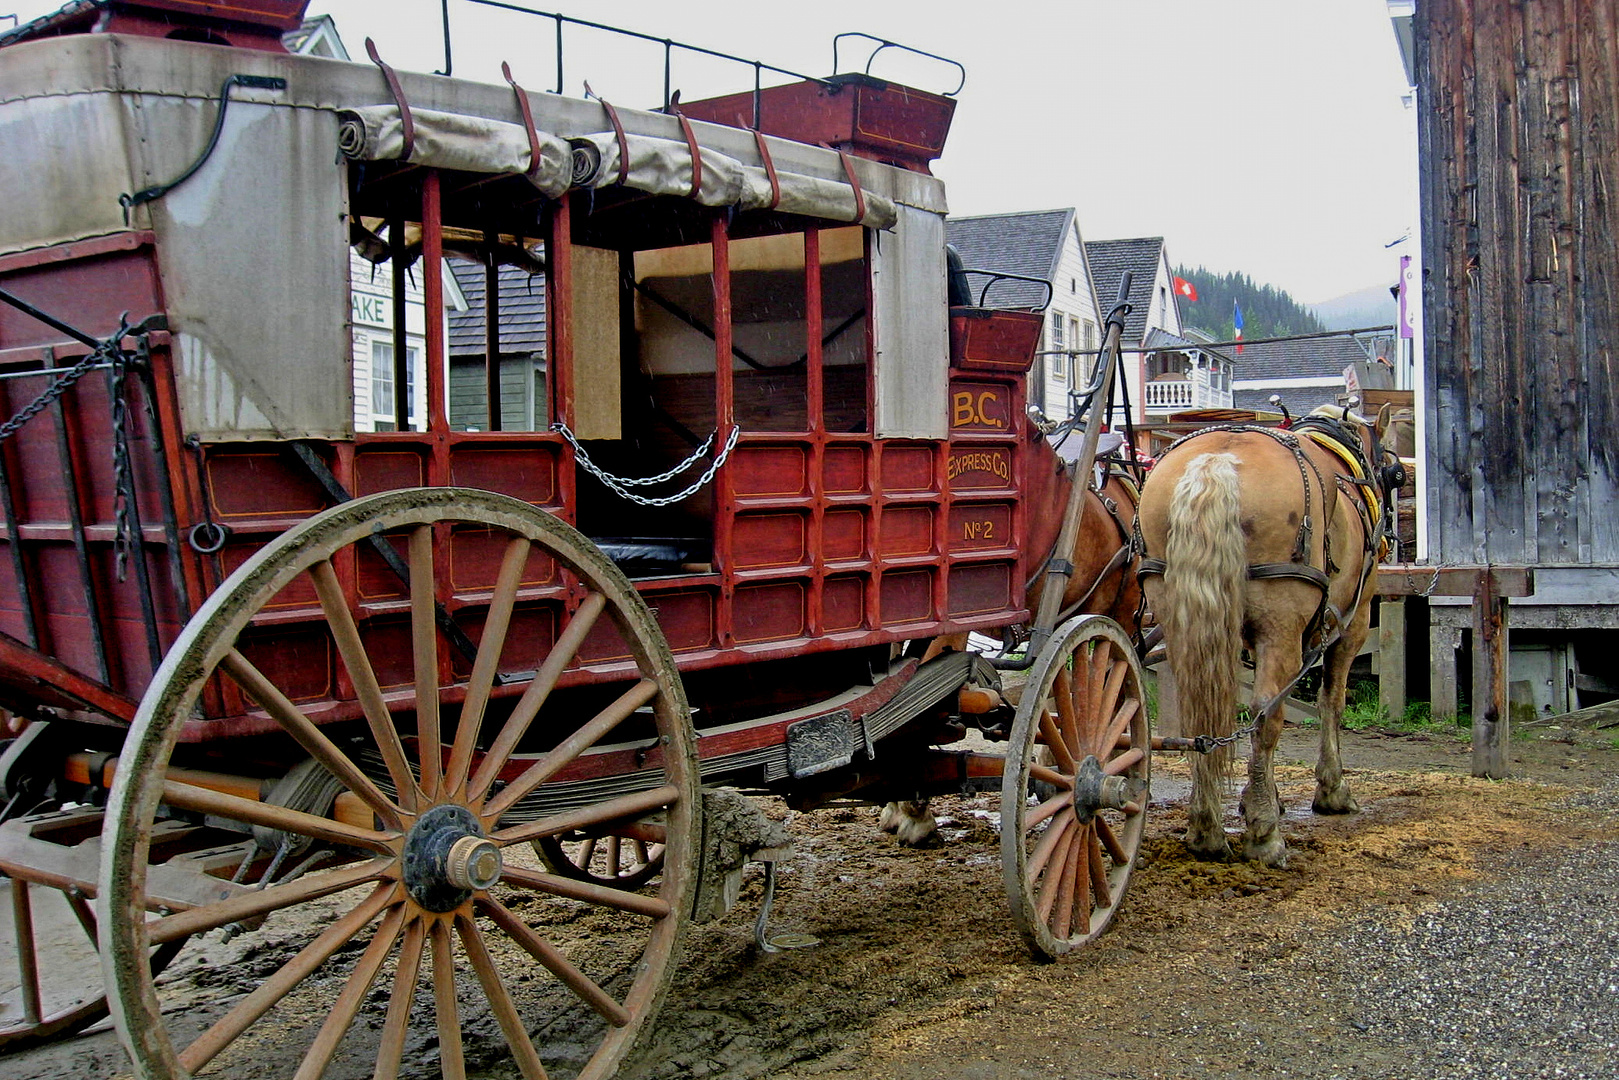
(1236, 320)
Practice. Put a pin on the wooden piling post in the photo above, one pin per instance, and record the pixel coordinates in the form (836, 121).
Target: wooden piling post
(1490, 717)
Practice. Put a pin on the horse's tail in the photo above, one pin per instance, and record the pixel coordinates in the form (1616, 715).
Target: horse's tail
(1205, 571)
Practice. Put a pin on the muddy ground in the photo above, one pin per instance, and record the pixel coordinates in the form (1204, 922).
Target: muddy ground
(1209, 970)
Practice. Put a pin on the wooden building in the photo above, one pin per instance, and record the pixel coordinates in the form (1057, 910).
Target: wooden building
(1518, 105)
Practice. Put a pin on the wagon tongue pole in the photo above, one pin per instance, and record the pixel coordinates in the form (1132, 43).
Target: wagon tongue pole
(1061, 568)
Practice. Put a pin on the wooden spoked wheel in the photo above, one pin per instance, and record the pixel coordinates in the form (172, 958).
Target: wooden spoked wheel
(1074, 793)
(627, 858)
(430, 918)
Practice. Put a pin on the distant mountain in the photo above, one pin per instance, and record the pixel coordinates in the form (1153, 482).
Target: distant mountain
(1266, 310)
(1371, 306)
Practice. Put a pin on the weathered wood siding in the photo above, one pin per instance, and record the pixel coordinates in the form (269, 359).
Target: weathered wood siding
(1518, 105)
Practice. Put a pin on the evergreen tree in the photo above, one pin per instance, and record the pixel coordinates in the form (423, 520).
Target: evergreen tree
(1267, 311)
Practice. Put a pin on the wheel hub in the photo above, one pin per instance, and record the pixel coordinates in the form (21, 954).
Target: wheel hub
(448, 858)
(1094, 790)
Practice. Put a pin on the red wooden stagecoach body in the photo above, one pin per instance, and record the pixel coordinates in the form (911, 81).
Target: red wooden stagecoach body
(872, 479)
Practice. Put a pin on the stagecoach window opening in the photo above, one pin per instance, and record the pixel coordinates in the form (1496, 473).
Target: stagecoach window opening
(769, 304)
(845, 331)
(519, 341)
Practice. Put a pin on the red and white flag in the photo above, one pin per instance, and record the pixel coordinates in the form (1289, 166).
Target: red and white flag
(1186, 288)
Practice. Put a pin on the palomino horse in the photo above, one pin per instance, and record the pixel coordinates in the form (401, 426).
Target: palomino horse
(1265, 540)
(1103, 582)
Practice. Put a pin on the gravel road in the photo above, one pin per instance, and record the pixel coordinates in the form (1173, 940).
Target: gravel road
(1518, 976)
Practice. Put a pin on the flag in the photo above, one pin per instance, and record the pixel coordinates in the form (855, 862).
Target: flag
(1236, 321)
(1186, 288)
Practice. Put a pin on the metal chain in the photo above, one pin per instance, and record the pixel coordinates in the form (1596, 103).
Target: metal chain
(621, 485)
(123, 474)
(643, 481)
(64, 382)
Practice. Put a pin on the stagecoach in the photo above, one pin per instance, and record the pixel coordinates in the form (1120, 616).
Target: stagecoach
(431, 508)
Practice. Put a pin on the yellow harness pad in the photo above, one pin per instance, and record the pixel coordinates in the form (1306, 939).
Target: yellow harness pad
(1374, 501)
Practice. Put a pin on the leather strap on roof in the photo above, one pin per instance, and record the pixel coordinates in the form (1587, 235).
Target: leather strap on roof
(528, 118)
(618, 132)
(691, 144)
(854, 182)
(770, 168)
(399, 99)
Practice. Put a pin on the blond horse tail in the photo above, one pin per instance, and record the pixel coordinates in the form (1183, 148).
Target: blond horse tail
(1204, 578)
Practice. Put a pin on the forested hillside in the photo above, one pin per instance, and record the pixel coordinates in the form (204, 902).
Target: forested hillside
(1266, 310)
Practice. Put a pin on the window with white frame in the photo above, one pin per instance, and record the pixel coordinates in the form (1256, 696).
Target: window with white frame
(382, 386)
(1058, 364)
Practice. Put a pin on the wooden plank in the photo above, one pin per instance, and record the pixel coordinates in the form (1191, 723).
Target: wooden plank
(1420, 579)
(597, 404)
(1391, 657)
(1443, 644)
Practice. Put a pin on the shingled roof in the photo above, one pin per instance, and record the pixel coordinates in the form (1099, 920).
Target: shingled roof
(522, 311)
(1316, 357)
(1109, 259)
(1028, 243)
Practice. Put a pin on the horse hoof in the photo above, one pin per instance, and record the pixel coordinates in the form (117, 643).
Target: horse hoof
(1337, 802)
(921, 837)
(1272, 852)
(1209, 849)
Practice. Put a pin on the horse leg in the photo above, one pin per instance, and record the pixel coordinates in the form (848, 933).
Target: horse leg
(1278, 655)
(911, 822)
(1331, 791)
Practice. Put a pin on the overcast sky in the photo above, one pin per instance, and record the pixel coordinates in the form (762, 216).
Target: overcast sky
(1267, 136)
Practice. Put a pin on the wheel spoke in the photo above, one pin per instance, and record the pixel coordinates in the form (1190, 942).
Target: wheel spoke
(1054, 740)
(557, 885)
(407, 973)
(1046, 809)
(334, 605)
(614, 850)
(528, 706)
(496, 624)
(424, 653)
(1080, 907)
(1110, 841)
(27, 960)
(587, 852)
(1109, 742)
(249, 905)
(1055, 832)
(250, 1008)
(1099, 885)
(1124, 761)
(310, 737)
(560, 966)
(452, 1062)
(500, 1000)
(1069, 716)
(1110, 689)
(1047, 775)
(1101, 658)
(600, 814)
(1062, 912)
(1051, 884)
(571, 747)
(352, 996)
(249, 812)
